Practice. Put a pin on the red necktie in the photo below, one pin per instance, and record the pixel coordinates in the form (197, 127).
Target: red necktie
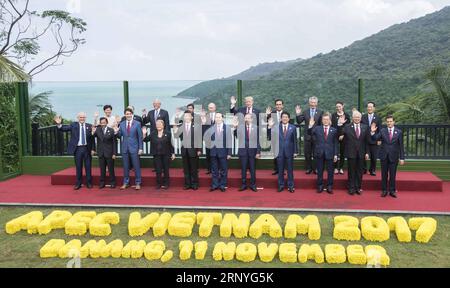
(390, 135)
(128, 128)
(284, 131)
(326, 133)
(248, 110)
(248, 132)
(357, 131)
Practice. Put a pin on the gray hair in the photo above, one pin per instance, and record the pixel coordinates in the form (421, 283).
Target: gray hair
(313, 98)
(356, 113)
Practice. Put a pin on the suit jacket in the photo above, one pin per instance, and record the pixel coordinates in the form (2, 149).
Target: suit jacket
(165, 147)
(220, 145)
(305, 116)
(328, 148)
(353, 146)
(243, 111)
(74, 129)
(393, 149)
(334, 122)
(377, 120)
(106, 142)
(248, 146)
(188, 144)
(286, 146)
(131, 142)
(150, 118)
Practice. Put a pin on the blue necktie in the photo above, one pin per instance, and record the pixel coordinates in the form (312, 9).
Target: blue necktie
(312, 113)
(83, 135)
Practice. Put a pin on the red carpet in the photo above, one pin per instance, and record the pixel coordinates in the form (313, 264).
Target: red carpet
(406, 181)
(29, 189)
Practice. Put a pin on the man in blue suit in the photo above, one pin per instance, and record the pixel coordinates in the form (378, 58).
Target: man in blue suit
(325, 143)
(391, 151)
(220, 150)
(249, 150)
(285, 147)
(80, 145)
(130, 132)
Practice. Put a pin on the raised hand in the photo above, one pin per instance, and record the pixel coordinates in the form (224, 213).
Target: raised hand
(144, 131)
(96, 114)
(342, 120)
(373, 127)
(233, 100)
(117, 119)
(144, 111)
(57, 120)
(235, 121)
(298, 109)
(269, 110)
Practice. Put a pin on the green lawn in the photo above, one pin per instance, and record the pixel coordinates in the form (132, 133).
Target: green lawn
(22, 250)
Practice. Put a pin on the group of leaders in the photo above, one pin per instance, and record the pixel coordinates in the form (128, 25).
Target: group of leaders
(328, 140)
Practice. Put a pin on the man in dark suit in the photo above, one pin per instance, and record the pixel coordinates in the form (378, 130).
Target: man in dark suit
(220, 144)
(391, 151)
(285, 147)
(131, 147)
(106, 151)
(80, 145)
(249, 150)
(368, 119)
(325, 139)
(356, 141)
(339, 119)
(276, 115)
(191, 149)
(247, 109)
(208, 120)
(157, 113)
(311, 113)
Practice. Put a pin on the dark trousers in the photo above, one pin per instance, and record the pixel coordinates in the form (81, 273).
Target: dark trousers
(373, 154)
(282, 163)
(275, 165)
(219, 172)
(103, 162)
(208, 159)
(162, 167)
(321, 162)
(355, 172)
(340, 163)
(190, 169)
(83, 157)
(308, 148)
(388, 168)
(249, 163)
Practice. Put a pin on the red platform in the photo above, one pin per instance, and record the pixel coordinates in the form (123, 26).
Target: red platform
(406, 181)
(432, 197)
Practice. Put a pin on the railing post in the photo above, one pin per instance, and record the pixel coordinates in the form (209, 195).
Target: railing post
(34, 139)
(1, 162)
(360, 93)
(239, 93)
(126, 95)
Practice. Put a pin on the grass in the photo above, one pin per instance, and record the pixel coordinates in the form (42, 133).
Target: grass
(22, 249)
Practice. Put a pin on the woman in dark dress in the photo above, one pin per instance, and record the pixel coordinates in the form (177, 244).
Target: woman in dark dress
(162, 150)
(338, 120)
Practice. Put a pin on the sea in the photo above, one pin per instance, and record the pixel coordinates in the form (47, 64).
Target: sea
(69, 98)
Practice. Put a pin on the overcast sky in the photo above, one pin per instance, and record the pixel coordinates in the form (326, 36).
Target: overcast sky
(206, 39)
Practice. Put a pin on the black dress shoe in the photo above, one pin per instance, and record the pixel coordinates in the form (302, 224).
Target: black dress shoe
(212, 189)
(393, 194)
(373, 174)
(384, 194)
(315, 171)
(194, 187)
(222, 189)
(319, 189)
(76, 187)
(358, 191)
(208, 172)
(186, 187)
(113, 186)
(351, 192)
(101, 186)
(274, 172)
(89, 186)
(291, 190)
(330, 190)
(280, 189)
(309, 171)
(243, 188)
(254, 189)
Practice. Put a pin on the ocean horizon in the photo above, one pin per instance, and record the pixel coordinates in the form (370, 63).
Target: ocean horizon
(70, 97)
